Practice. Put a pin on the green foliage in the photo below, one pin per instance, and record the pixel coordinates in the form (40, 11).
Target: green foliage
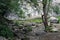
(8, 5)
(58, 18)
(48, 29)
(14, 5)
(36, 20)
(4, 4)
(44, 2)
(34, 2)
(21, 14)
(5, 31)
(56, 9)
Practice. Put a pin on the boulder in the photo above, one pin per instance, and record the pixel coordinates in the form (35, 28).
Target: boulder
(2, 38)
(53, 20)
(29, 24)
(54, 29)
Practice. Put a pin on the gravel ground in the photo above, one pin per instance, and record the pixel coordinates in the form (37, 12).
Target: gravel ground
(39, 34)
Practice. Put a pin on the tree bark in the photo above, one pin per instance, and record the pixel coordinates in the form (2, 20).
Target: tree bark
(44, 17)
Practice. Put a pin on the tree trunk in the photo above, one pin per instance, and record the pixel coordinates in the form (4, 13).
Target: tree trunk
(44, 17)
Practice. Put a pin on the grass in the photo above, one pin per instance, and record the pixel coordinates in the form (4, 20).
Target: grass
(37, 20)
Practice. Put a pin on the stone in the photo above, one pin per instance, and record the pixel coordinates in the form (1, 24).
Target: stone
(55, 29)
(50, 36)
(29, 24)
(53, 20)
(2, 38)
(33, 26)
(39, 33)
(11, 16)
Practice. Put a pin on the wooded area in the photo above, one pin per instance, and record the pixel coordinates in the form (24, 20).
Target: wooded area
(19, 18)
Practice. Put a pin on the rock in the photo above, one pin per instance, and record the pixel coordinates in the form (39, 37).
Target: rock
(53, 20)
(25, 38)
(29, 24)
(33, 26)
(25, 30)
(34, 37)
(11, 16)
(2, 38)
(55, 29)
(39, 33)
(50, 36)
(21, 26)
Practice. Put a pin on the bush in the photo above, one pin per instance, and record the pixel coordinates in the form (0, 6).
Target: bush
(5, 31)
(48, 29)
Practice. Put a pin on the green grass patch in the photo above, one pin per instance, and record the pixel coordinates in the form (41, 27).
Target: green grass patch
(37, 20)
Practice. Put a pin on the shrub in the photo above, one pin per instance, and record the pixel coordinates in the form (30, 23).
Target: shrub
(48, 29)
(5, 31)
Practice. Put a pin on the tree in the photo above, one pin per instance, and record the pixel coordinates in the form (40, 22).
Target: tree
(56, 9)
(46, 4)
(45, 13)
(6, 6)
(46, 7)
